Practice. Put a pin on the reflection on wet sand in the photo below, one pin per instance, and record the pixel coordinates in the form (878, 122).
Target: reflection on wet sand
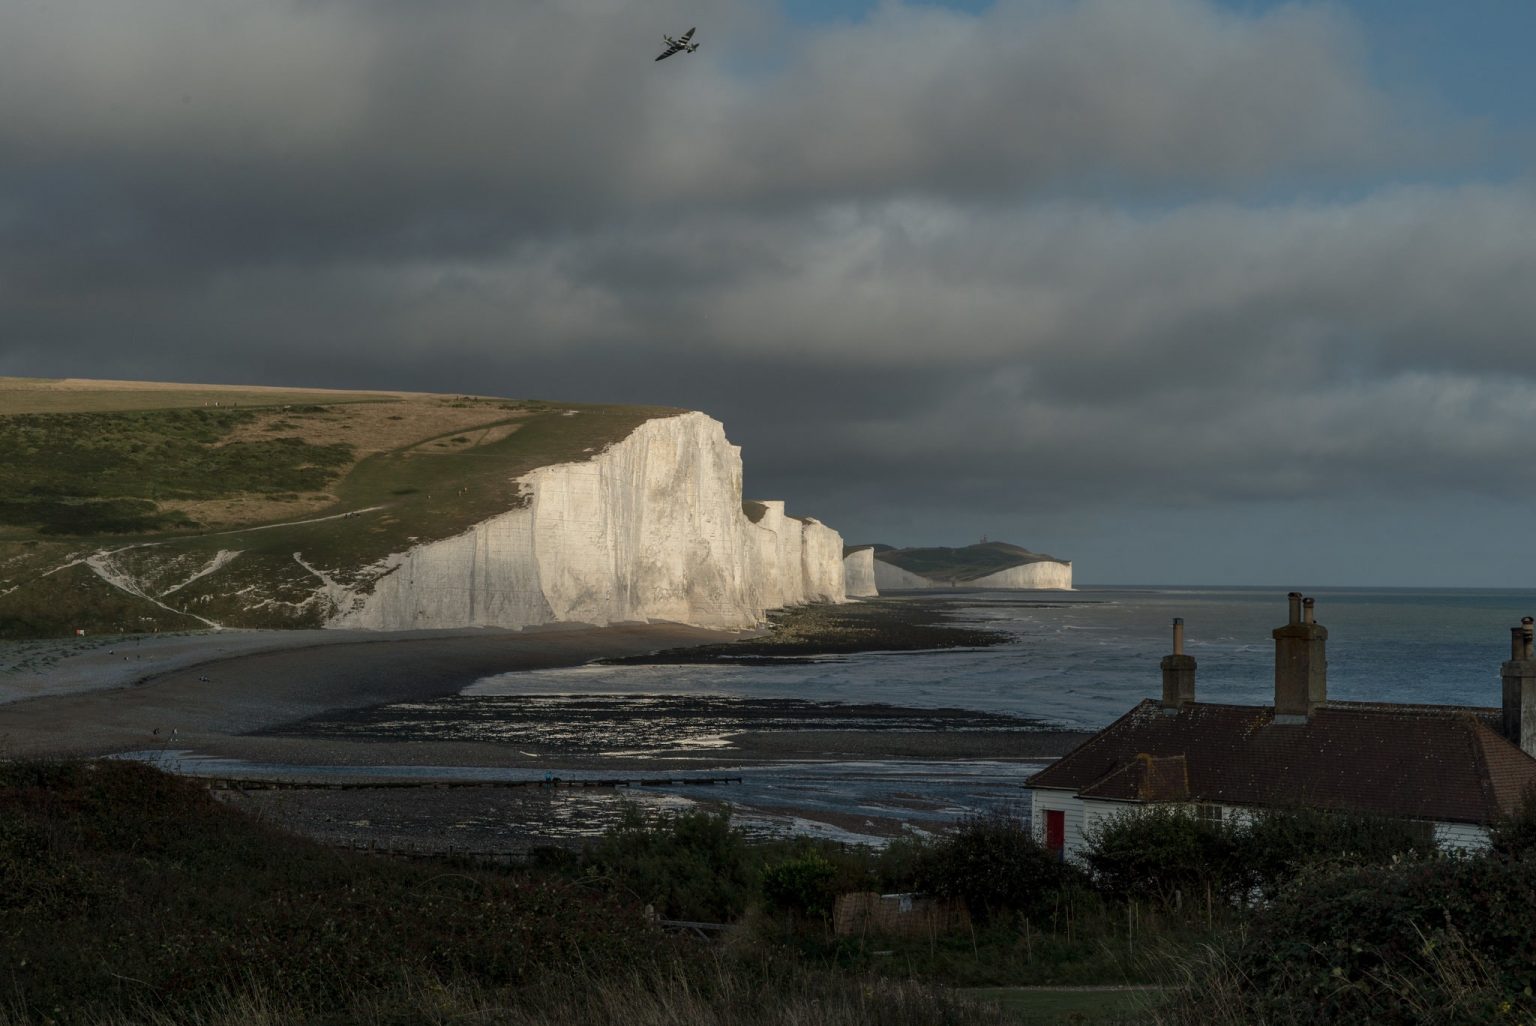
(630, 724)
(865, 801)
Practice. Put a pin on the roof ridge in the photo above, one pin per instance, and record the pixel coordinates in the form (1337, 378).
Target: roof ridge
(1487, 736)
(1090, 739)
(1408, 707)
(1481, 765)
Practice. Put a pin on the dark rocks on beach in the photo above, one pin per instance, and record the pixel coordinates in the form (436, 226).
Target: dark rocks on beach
(804, 632)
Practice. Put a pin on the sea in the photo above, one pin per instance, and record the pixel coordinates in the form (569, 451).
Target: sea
(1079, 659)
(1074, 659)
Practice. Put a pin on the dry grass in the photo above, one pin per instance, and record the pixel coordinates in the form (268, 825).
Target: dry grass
(247, 510)
(83, 395)
(370, 422)
(386, 426)
(703, 991)
(418, 423)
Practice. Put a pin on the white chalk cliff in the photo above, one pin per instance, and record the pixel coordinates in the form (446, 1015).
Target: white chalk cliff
(1041, 574)
(859, 573)
(652, 528)
(893, 578)
(1047, 573)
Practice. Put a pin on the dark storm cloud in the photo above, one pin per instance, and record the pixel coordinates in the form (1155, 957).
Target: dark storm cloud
(1034, 95)
(340, 126)
(1041, 259)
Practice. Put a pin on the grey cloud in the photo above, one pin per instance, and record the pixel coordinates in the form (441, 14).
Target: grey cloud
(1034, 95)
(531, 106)
(1207, 353)
(930, 269)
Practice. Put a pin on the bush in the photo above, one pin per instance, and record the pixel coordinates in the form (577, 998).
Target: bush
(1163, 853)
(1166, 853)
(1442, 940)
(806, 886)
(995, 865)
(692, 866)
(1514, 836)
(1275, 846)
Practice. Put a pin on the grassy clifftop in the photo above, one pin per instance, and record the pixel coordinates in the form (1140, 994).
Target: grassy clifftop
(137, 506)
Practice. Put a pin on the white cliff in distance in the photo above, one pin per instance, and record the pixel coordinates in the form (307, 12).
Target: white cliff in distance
(894, 578)
(651, 528)
(984, 565)
(1048, 573)
(859, 572)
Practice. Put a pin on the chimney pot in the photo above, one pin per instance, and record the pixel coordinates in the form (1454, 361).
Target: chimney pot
(1301, 664)
(1519, 680)
(1309, 610)
(1178, 673)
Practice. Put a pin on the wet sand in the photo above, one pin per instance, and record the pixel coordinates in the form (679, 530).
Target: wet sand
(103, 708)
(292, 701)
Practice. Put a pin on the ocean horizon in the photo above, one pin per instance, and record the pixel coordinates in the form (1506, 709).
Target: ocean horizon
(1074, 660)
(1079, 659)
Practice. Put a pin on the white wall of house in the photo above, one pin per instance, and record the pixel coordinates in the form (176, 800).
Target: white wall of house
(1460, 836)
(1082, 816)
(1097, 812)
(1044, 799)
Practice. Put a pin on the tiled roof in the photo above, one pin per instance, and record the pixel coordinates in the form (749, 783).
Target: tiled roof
(1146, 778)
(1441, 763)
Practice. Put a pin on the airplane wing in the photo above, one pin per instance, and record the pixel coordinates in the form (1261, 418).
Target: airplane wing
(674, 48)
(686, 36)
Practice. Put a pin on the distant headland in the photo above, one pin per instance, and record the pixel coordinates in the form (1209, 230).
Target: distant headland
(988, 564)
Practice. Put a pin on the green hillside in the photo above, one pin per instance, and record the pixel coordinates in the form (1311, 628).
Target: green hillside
(137, 506)
(960, 565)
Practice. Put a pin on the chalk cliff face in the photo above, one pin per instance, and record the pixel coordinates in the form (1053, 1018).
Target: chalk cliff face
(1045, 574)
(894, 578)
(859, 573)
(652, 528)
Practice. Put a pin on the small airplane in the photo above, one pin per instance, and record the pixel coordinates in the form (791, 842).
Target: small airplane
(678, 45)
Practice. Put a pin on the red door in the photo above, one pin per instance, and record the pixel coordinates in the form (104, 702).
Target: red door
(1055, 829)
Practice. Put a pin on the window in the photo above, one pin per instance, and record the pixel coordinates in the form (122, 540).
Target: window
(1208, 813)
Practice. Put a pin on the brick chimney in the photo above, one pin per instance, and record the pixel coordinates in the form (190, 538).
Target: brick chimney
(1178, 673)
(1301, 663)
(1520, 687)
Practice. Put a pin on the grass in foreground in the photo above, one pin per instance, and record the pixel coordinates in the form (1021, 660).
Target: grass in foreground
(1039, 1006)
(130, 896)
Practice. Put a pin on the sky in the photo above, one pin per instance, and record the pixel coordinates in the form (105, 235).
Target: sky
(1185, 291)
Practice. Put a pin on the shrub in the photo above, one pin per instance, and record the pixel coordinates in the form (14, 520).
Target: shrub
(804, 885)
(1165, 853)
(1162, 853)
(1275, 846)
(692, 866)
(1441, 940)
(1514, 836)
(995, 865)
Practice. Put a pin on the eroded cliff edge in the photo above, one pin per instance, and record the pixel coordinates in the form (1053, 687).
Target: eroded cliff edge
(652, 528)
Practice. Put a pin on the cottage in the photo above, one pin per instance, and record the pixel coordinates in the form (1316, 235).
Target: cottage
(1452, 769)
